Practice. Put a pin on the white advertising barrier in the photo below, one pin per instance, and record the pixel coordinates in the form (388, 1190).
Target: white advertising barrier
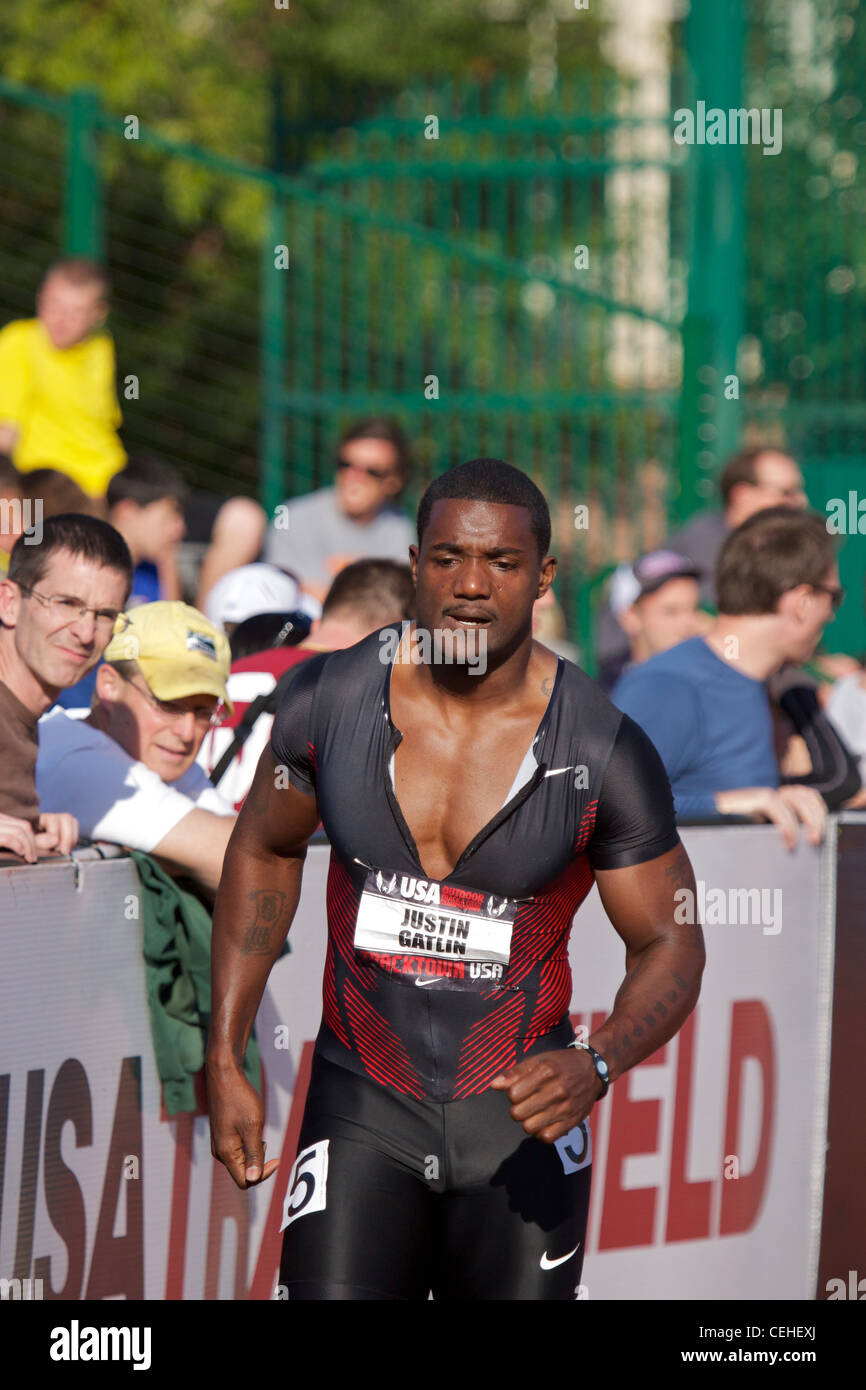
(707, 1158)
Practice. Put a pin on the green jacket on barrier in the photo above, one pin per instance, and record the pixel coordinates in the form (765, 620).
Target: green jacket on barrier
(177, 939)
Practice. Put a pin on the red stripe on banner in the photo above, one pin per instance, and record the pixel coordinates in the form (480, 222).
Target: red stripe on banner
(176, 1262)
(268, 1264)
(179, 1223)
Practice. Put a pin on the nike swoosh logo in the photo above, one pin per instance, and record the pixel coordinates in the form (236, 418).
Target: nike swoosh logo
(551, 1264)
(422, 981)
(555, 771)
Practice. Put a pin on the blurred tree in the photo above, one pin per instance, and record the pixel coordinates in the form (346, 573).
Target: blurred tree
(200, 70)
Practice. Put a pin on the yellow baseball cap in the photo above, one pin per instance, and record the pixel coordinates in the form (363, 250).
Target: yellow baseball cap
(179, 652)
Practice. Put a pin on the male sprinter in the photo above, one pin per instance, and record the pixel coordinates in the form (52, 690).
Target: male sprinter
(445, 1145)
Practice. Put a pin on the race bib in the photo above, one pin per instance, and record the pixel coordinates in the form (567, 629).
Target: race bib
(399, 914)
(308, 1183)
(575, 1148)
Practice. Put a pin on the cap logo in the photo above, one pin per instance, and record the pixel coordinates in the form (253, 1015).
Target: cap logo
(200, 642)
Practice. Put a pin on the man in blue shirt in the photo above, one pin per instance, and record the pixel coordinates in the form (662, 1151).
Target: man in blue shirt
(704, 702)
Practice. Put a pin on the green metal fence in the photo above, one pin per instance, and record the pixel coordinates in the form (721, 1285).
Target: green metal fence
(803, 350)
(554, 280)
(253, 301)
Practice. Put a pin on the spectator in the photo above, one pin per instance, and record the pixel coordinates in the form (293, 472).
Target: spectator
(128, 769)
(704, 702)
(146, 514)
(249, 590)
(656, 603)
(145, 504)
(365, 596)
(754, 479)
(48, 492)
(315, 536)
(58, 402)
(58, 606)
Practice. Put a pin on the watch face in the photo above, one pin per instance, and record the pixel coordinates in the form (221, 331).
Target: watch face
(602, 1066)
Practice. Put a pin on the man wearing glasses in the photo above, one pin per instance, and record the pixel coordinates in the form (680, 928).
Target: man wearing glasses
(58, 606)
(127, 771)
(317, 535)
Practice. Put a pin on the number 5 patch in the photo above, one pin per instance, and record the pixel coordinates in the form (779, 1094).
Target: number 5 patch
(308, 1183)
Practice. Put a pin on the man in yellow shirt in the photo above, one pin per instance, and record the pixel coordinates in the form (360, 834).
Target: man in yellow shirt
(58, 404)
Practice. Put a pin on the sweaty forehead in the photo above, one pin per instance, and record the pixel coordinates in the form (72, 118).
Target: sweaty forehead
(457, 521)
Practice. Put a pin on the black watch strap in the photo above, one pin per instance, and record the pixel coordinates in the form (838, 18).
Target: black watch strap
(602, 1070)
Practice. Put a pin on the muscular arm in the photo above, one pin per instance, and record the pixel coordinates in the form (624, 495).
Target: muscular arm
(664, 959)
(553, 1091)
(639, 865)
(255, 905)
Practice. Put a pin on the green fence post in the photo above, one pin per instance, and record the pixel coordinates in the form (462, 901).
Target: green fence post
(83, 233)
(697, 408)
(715, 45)
(275, 266)
(584, 638)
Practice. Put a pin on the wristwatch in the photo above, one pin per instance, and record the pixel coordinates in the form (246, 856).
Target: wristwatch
(601, 1068)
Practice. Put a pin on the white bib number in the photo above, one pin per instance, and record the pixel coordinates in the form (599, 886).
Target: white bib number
(399, 913)
(308, 1183)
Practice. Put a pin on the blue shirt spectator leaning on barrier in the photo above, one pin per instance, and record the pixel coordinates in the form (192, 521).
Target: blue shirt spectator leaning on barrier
(58, 606)
(317, 535)
(127, 771)
(704, 702)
